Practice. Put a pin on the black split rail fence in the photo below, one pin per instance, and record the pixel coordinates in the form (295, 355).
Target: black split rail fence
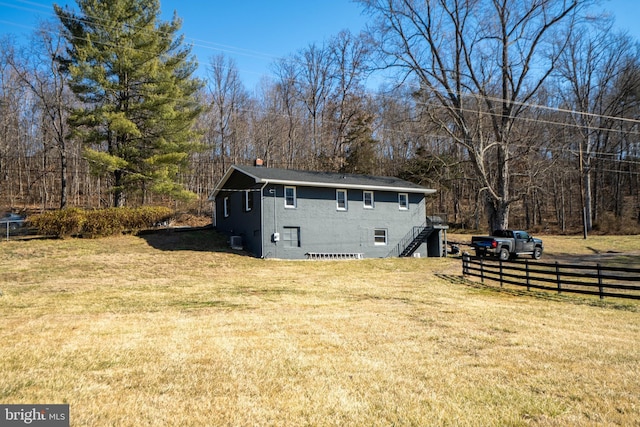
(597, 280)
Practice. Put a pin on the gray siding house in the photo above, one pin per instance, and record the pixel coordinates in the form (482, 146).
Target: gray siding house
(291, 214)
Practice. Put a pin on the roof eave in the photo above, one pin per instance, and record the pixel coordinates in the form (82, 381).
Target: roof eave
(349, 186)
(220, 186)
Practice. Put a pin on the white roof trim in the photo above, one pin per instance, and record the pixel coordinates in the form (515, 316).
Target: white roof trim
(224, 179)
(348, 186)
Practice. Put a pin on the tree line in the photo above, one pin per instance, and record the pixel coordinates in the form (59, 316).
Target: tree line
(521, 113)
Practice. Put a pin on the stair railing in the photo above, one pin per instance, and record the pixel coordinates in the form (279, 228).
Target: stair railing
(406, 240)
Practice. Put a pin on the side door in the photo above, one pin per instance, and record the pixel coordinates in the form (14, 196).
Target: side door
(523, 242)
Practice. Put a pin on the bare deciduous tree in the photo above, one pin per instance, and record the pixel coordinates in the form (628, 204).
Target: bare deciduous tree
(313, 80)
(227, 99)
(590, 69)
(480, 62)
(347, 101)
(38, 68)
(285, 103)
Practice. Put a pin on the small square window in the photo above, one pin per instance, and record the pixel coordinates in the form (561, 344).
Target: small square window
(291, 237)
(380, 236)
(403, 201)
(341, 200)
(367, 199)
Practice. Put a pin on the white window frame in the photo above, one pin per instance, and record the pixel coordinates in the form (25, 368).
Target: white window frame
(376, 237)
(225, 204)
(248, 196)
(403, 206)
(364, 199)
(295, 200)
(346, 203)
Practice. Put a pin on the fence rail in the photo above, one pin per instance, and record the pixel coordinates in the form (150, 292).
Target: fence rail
(598, 280)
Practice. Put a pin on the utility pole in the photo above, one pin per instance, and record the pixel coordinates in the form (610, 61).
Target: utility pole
(582, 195)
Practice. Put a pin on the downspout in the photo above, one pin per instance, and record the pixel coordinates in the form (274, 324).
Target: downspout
(213, 213)
(275, 216)
(273, 191)
(262, 219)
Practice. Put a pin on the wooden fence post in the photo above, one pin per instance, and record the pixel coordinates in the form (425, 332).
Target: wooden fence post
(558, 277)
(526, 266)
(465, 264)
(600, 286)
(481, 269)
(501, 278)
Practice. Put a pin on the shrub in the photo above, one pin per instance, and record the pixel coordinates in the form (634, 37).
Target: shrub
(147, 216)
(102, 222)
(61, 223)
(98, 222)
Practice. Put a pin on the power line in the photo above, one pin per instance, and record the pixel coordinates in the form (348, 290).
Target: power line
(252, 53)
(227, 48)
(205, 44)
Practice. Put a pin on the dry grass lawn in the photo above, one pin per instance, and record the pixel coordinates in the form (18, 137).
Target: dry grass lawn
(164, 331)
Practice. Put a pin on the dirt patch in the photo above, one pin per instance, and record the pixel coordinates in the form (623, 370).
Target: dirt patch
(190, 220)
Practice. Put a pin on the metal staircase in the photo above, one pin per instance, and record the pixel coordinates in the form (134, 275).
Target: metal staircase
(421, 234)
(416, 236)
(412, 241)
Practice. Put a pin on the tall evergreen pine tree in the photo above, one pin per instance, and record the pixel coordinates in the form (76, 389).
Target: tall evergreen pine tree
(133, 77)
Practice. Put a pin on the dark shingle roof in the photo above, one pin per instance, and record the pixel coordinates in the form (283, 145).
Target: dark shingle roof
(323, 179)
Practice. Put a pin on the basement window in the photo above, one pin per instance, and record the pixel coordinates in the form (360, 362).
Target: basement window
(380, 236)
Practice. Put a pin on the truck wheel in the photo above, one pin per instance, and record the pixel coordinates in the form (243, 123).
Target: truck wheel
(504, 254)
(481, 253)
(537, 253)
